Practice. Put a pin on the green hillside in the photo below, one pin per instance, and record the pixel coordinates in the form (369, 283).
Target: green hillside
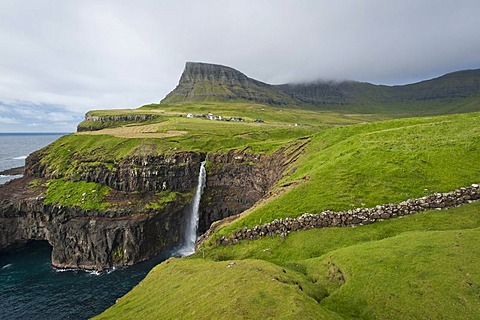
(382, 162)
(365, 145)
(417, 267)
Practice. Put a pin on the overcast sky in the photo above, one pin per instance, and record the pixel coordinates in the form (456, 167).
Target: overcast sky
(59, 59)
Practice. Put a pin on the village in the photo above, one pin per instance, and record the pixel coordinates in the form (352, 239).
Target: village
(211, 116)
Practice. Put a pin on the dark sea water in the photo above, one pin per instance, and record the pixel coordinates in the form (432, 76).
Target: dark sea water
(30, 288)
(15, 147)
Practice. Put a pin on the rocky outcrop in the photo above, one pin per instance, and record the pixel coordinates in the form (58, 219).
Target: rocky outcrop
(356, 217)
(13, 171)
(238, 179)
(176, 172)
(92, 123)
(125, 117)
(117, 237)
(95, 240)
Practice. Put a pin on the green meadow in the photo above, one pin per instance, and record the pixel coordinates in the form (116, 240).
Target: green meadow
(416, 267)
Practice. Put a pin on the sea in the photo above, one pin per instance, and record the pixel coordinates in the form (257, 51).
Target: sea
(30, 288)
(15, 147)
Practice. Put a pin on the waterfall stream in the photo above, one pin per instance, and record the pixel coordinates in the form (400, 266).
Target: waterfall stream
(190, 235)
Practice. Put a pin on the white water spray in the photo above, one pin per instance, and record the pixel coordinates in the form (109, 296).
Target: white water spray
(190, 236)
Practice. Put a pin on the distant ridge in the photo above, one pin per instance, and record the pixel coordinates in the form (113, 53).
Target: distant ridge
(211, 82)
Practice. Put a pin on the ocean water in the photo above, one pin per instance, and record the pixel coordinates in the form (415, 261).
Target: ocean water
(30, 288)
(15, 147)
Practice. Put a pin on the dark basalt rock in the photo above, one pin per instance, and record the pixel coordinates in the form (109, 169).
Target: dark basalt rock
(93, 123)
(122, 236)
(235, 181)
(176, 172)
(95, 240)
(13, 171)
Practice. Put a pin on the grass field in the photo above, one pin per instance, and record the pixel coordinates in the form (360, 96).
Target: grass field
(416, 267)
(173, 132)
(368, 164)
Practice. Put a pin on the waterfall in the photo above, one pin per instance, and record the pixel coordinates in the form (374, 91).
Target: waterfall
(190, 235)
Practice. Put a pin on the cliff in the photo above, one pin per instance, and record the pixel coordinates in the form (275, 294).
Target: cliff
(93, 122)
(89, 239)
(131, 230)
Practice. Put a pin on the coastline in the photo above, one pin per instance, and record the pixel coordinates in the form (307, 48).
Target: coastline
(13, 171)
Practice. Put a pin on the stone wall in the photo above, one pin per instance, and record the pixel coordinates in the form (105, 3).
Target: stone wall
(356, 217)
(238, 179)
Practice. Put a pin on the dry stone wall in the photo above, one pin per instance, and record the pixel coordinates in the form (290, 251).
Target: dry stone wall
(356, 217)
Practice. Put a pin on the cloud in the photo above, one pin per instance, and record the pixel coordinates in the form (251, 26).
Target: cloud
(21, 116)
(7, 120)
(121, 54)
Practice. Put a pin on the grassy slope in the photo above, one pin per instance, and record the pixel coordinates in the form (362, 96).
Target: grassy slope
(195, 289)
(71, 153)
(370, 164)
(417, 267)
(75, 153)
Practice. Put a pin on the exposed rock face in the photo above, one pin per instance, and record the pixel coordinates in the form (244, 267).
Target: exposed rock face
(13, 171)
(176, 172)
(235, 181)
(116, 237)
(126, 117)
(122, 236)
(96, 240)
(92, 123)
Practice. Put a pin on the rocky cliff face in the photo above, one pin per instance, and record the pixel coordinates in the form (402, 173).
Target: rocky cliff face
(89, 239)
(92, 123)
(236, 180)
(176, 172)
(122, 236)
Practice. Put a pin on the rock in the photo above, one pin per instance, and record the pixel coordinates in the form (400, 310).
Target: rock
(13, 171)
(88, 239)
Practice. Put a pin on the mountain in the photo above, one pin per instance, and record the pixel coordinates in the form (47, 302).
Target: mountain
(460, 84)
(210, 82)
(202, 81)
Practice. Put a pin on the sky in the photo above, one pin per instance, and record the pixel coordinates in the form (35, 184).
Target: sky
(61, 58)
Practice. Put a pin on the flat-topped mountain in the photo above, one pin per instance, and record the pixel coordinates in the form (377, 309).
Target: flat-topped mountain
(210, 82)
(203, 81)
